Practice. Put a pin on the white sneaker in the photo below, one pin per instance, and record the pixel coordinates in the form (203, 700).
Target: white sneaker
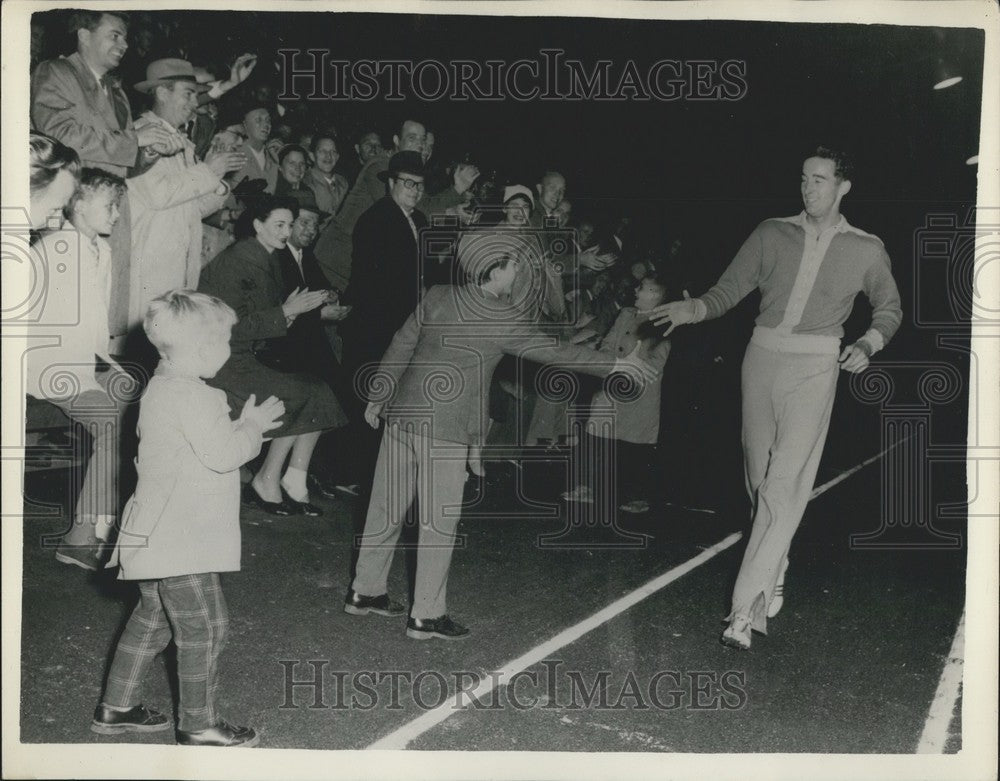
(737, 634)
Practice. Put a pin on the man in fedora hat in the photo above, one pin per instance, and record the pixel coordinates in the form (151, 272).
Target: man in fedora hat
(170, 199)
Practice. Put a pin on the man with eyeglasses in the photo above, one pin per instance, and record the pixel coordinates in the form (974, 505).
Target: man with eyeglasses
(334, 246)
(385, 280)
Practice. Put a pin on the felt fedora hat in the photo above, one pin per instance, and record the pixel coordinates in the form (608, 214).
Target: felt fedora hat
(169, 71)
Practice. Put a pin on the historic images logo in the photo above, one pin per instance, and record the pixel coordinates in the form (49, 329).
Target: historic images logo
(315, 75)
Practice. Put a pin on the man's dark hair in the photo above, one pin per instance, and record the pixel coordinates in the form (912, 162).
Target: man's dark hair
(402, 124)
(288, 149)
(323, 136)
(89, 20)
(843, 167)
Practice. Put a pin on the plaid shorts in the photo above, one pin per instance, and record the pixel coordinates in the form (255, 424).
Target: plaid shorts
(192, 610)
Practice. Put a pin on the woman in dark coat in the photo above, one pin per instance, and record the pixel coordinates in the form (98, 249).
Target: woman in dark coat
(247, 276)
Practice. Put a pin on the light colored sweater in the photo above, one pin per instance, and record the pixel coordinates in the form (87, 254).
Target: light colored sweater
(808, 281)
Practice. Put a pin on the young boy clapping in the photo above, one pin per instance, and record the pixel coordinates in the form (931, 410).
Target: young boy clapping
(181, 527)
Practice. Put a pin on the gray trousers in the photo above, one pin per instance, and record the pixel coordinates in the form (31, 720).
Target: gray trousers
(413, 465)
(787, 401)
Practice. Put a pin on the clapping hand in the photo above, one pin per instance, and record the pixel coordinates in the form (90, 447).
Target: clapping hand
(301, 300)
(265, 415)
(590, 258)
(148, 135)
(334, 311)
(676, 313)
(223, 163)
(464, 176)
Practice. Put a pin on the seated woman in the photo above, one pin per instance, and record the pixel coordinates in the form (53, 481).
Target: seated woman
(247, 276)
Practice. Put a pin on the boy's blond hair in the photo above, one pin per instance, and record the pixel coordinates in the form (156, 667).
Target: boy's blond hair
(186, 318)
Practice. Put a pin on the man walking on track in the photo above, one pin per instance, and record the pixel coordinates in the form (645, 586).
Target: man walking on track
(809, 268)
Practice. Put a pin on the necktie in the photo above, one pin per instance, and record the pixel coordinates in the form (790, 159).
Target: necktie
(117, 102)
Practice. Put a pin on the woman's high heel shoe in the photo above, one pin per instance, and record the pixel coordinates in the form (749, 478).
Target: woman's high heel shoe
(251, 497)
(300, 508)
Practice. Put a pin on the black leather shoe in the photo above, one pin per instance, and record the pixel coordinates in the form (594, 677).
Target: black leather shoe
(427, 628)
(358, 605)
(300, 508)
(251, 497)
(138, 719)
(222, 734)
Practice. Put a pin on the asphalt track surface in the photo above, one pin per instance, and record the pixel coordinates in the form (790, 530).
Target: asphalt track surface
(850, 665)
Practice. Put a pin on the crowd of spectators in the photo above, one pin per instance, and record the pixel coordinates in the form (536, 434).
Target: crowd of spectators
(312, 232)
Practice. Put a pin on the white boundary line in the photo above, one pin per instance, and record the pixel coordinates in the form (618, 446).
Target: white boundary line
(935, 734)
(844, 475)
(401, 737)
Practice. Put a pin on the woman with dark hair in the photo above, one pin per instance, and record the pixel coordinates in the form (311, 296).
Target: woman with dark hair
(54, 171)
(248, 278)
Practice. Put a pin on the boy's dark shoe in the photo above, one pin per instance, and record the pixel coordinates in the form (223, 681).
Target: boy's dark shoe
(358, 605)
(222, 734)
(427, 628)
(138, 719)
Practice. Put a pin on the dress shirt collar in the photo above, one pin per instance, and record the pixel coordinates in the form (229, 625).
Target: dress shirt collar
(802, 220)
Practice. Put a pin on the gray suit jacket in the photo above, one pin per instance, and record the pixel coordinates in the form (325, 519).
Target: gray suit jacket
(438, 369)
(68, 104)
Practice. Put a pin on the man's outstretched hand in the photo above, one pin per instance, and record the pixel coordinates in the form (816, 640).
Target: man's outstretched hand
(676, 313)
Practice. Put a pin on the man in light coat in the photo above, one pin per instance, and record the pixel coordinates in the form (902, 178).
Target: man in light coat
(170, 199)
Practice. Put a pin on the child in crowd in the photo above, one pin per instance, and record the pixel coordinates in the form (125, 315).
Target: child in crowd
(181, 527)
(76, 311)
(635, 417)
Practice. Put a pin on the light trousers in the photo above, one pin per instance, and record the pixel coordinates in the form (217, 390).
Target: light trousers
(787, 401)
(409, 465)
